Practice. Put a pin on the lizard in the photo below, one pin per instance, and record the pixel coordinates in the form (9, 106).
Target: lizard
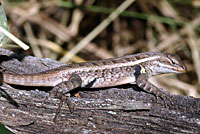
(134, 69)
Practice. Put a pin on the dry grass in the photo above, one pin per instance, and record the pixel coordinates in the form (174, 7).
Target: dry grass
(53, 28)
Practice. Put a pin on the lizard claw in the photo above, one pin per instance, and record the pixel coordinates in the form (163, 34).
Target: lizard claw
(165, 97)
(143, 83)
(45, 99)
(63, 98)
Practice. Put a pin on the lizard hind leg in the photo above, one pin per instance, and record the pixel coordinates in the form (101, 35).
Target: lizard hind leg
(63, 98)
(61, 91)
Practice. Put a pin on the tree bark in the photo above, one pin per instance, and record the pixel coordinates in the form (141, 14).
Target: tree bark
(121, 109)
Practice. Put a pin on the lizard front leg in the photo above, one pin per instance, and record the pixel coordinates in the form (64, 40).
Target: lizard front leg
(60, 91)
(142, 82)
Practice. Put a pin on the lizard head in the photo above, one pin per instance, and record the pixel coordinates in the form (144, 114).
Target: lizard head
(163, 63)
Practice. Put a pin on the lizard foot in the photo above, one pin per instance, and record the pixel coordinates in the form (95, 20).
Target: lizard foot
(143, 83)
(61, 91)
(158, 93)
(63, 98)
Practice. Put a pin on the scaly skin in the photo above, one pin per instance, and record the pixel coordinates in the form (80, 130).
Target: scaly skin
(135, 69)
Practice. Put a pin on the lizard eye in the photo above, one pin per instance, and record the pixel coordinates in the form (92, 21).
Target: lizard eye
(173, 61)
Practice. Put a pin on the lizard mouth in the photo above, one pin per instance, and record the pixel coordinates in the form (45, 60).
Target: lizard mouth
(181, 69)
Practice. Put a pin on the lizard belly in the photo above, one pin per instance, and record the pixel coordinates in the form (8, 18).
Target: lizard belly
(110, 82)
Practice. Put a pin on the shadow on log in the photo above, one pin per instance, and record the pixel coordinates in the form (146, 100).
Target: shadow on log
(121, 109)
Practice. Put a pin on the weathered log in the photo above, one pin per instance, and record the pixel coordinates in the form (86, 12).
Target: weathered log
(121, 109)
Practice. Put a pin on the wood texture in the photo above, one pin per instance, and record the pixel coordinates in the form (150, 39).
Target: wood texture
(121, 109)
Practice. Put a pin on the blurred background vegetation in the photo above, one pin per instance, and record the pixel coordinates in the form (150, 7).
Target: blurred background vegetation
(54, 27)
